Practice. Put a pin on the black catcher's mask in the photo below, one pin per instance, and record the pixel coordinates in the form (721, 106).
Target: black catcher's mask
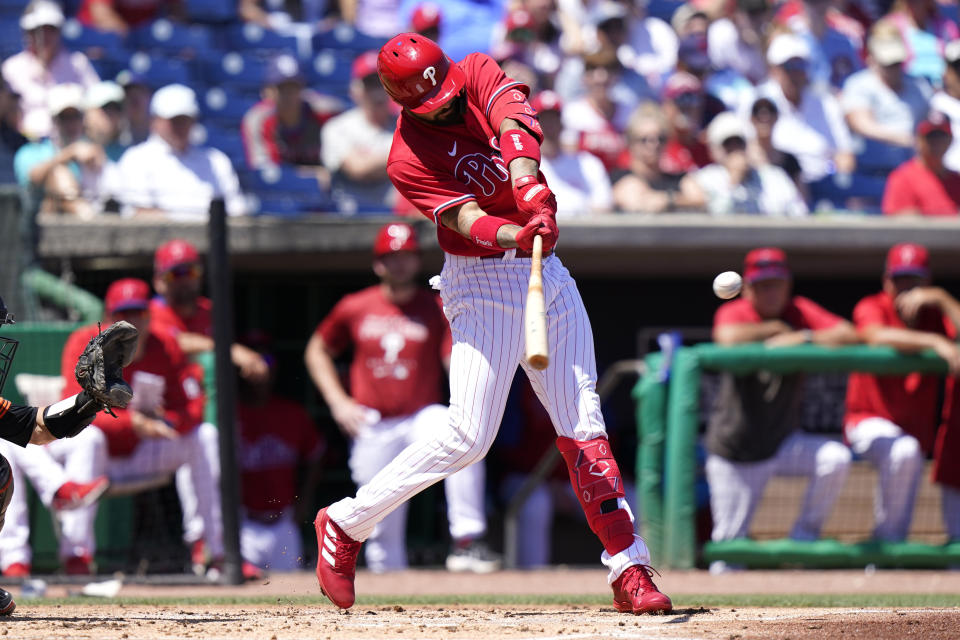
(8, 346)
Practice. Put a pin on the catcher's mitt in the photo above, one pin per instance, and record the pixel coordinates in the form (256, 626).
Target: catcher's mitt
(100, 367)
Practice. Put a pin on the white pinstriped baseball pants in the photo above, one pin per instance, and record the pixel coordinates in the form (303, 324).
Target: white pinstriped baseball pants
(484, 301)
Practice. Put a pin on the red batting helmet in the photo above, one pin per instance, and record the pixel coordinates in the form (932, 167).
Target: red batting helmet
(417, 74)
(396, 236)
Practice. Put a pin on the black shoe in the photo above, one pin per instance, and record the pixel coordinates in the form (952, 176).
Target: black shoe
(7, 605)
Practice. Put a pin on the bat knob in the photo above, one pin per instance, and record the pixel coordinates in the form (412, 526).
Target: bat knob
(538, 362)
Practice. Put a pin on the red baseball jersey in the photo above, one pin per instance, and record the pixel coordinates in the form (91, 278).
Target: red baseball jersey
(269, 456)
(178, 381)
(398, 349)
(910, 401)
(439, 167)
(800, 313)
(165, 317)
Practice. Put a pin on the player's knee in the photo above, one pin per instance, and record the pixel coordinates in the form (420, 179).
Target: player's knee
(905, 453)
(834, 458)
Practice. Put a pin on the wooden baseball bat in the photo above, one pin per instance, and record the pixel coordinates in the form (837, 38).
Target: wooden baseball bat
(535, 317)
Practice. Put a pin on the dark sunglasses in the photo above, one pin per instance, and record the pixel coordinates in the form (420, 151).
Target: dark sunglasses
(658, 140)
(192, 271)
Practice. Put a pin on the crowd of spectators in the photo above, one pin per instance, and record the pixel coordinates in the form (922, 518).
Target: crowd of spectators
(837, 95)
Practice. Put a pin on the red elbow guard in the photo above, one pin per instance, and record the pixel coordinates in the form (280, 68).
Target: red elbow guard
(518, 143)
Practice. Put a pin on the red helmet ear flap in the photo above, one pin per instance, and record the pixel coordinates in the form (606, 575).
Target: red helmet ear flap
(417, 74)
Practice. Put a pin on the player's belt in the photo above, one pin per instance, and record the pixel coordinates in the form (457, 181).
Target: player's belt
(520, 253)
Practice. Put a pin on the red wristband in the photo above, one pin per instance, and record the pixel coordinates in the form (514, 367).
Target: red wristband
(518, 143)
(483, 231)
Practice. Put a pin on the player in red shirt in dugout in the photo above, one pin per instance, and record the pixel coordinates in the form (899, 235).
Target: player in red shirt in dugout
(466, 154)
(401, 344)
(892, 420)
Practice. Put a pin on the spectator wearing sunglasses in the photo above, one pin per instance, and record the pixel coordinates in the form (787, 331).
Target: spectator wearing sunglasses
(882, 104)
(924, 185)
(645, 186)
(180, 310)
(733, 184)
(43, 64)
(810, 123)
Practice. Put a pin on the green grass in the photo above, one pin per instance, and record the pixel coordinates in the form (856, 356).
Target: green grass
(680, 602)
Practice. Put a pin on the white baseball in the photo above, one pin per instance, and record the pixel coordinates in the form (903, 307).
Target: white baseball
(727, 284)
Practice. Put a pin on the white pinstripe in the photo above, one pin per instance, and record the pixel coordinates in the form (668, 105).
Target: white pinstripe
(483, 301)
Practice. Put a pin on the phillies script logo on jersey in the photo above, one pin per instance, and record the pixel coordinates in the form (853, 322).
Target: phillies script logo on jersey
(391, 334)
(481, 173)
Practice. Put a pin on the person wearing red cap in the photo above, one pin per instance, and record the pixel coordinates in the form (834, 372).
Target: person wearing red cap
(467, 155)
(923, 185)
(401, 346)
(180, 311)
(426, 19)
(283, 129)
(355, 144)
(683, 103)
(578, 178)
(162, 430)
(753, 431)
(892, 420)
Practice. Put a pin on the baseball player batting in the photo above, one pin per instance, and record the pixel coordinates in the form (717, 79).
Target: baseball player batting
(466, 153)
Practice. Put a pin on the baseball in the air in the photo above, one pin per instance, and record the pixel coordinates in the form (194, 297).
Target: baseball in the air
(727, 284)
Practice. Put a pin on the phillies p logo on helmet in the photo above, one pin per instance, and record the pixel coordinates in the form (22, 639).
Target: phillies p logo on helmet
(406, 61)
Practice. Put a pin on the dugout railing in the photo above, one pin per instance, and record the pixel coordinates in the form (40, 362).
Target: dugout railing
(668, 421)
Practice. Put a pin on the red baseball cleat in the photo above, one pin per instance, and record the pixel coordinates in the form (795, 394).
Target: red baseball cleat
(78, 565)
(634, 592)
(73, 495)
(336, 561)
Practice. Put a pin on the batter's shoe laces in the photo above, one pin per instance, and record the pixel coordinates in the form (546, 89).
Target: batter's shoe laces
(7, 605)
(474, 556)
(634, 592)
(336, 561)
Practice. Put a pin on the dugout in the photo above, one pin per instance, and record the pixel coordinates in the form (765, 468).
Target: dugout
(637, 274)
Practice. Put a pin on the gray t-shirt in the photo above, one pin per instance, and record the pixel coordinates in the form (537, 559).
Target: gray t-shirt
(898, 111)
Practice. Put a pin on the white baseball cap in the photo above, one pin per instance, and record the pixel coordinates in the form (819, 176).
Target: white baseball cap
(174, 100)
(725, 125)
(787, 46)
(64, 96)
(103, 93)
(41, 13)
(887, 49)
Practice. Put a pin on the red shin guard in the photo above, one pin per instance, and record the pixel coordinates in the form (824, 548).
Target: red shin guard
(596, 480)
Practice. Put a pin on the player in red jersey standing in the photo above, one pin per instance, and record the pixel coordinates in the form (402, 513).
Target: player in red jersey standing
(466, 154)
(401, 344)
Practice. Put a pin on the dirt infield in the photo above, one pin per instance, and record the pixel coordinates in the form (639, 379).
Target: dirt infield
(103, 620)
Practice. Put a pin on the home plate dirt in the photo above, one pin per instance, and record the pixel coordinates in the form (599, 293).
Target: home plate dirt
(109, 622)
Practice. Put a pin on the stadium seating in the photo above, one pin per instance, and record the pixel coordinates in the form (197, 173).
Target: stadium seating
(94, 43)
(159, 70)
(253, 37)
(329, 71)
(284, 191)
(345, 38)
(240, 70)
(224, 107)
(212, 11)
(172, 39)
(226, 139)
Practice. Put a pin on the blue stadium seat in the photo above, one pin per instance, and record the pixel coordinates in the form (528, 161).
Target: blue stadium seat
(159, 70)
(225, 107)
(226, 139)
(867, 190)
(285, 191)
(345, 37)
(214, 11)
(80, 38)
(186, 41)
(241, 70)
(878, 158)
(253, 37)
(329, 71)
(11, 39)
(663, 9)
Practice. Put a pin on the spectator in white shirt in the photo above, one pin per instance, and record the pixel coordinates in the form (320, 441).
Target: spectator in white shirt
(168, 175)
(43, 64)
(734, 185)
(810, 123)
(737, 42)
(947, 101)
(883, 104)
(355, 144)
(578, 178)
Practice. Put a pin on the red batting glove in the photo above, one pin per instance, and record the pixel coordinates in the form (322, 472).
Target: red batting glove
(542, 225)
(534, 197)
